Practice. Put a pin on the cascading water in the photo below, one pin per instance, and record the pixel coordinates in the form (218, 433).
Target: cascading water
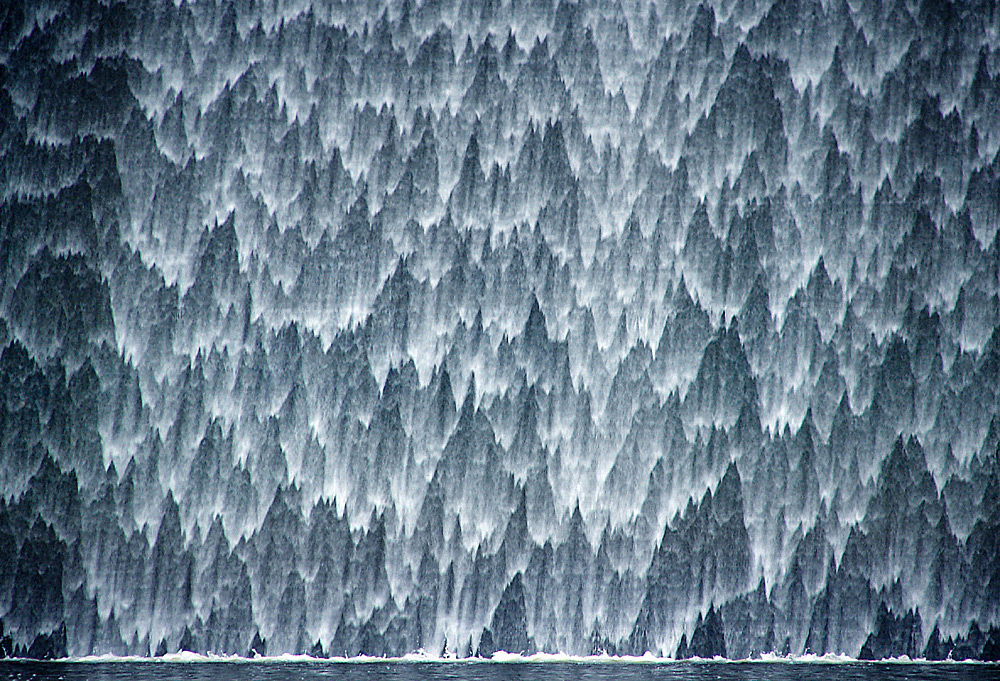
(362, 328)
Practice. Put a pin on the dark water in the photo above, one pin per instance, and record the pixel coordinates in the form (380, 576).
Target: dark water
(479, 671)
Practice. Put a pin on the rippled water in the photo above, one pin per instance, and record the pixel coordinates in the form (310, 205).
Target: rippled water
(488, 671)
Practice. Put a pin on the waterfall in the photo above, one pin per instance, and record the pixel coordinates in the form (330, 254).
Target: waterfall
(346, 328)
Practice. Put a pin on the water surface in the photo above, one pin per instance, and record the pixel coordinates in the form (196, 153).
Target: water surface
(495, 671)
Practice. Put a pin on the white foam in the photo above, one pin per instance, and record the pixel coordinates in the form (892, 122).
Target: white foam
(503, 657)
